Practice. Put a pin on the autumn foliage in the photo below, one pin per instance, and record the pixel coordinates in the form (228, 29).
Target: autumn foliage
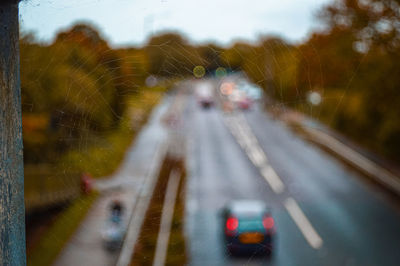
(75, 88)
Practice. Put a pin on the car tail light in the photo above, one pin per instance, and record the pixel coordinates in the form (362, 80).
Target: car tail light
(268, 223)
(232, 223)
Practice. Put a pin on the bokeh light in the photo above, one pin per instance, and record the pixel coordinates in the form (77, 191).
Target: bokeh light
(220, 72)
(199, 71)
(314, 98)
(227, 88)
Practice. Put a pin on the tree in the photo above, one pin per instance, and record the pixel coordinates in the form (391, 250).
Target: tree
(73, 88)
(12, 210)
(363, 38)
(210, 57)
(170, 54)
(373, 22)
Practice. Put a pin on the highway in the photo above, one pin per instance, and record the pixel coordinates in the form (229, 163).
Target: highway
(325, 213)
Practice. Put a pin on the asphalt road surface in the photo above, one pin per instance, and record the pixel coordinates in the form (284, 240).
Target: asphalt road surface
(325, 213)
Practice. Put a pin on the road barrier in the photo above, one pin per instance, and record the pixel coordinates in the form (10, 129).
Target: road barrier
(368, 167)
(140, 208)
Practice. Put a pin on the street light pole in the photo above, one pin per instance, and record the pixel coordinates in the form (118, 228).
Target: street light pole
(12, 211)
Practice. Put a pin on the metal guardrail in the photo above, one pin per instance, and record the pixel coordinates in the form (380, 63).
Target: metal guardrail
(375, 171)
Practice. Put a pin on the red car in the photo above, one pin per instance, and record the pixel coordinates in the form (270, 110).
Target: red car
(244, 103)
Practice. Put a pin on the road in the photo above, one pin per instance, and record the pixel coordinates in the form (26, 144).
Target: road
(325, 213)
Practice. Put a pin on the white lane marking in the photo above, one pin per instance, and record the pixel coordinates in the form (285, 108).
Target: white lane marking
(251, 157)
(249, 143)
(228, 122)
(245, 136)
(303, 223)
(241, 143)
(243, 122)
(273, 179)
(237, 134)
(260, 156)
(256, 156)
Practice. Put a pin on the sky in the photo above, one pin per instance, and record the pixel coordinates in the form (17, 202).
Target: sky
(131, 22)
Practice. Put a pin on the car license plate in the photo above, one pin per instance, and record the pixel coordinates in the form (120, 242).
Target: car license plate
(251, 238)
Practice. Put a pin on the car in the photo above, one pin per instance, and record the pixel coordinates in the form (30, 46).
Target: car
(244, 103)
(115, 227)
(206, 102)
(205, 94)
(113, 235)
(249, 228)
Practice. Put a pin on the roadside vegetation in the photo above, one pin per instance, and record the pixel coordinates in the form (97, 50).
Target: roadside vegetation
(54, 239)
(111, 148)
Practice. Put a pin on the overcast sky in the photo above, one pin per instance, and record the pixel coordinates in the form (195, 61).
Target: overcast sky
(127, 22)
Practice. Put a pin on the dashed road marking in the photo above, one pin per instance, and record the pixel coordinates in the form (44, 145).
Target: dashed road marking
(272, 178)
(257, 158)
(236, 133)
(246, 139)
(242, 132)
(303, 223)
(261, 159)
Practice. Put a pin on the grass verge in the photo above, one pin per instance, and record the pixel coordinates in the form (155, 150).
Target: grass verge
(54, 239)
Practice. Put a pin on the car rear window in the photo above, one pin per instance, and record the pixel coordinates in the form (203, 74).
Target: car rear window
(254, 224)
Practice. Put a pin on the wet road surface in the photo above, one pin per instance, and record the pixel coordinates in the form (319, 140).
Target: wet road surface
(325, 214)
